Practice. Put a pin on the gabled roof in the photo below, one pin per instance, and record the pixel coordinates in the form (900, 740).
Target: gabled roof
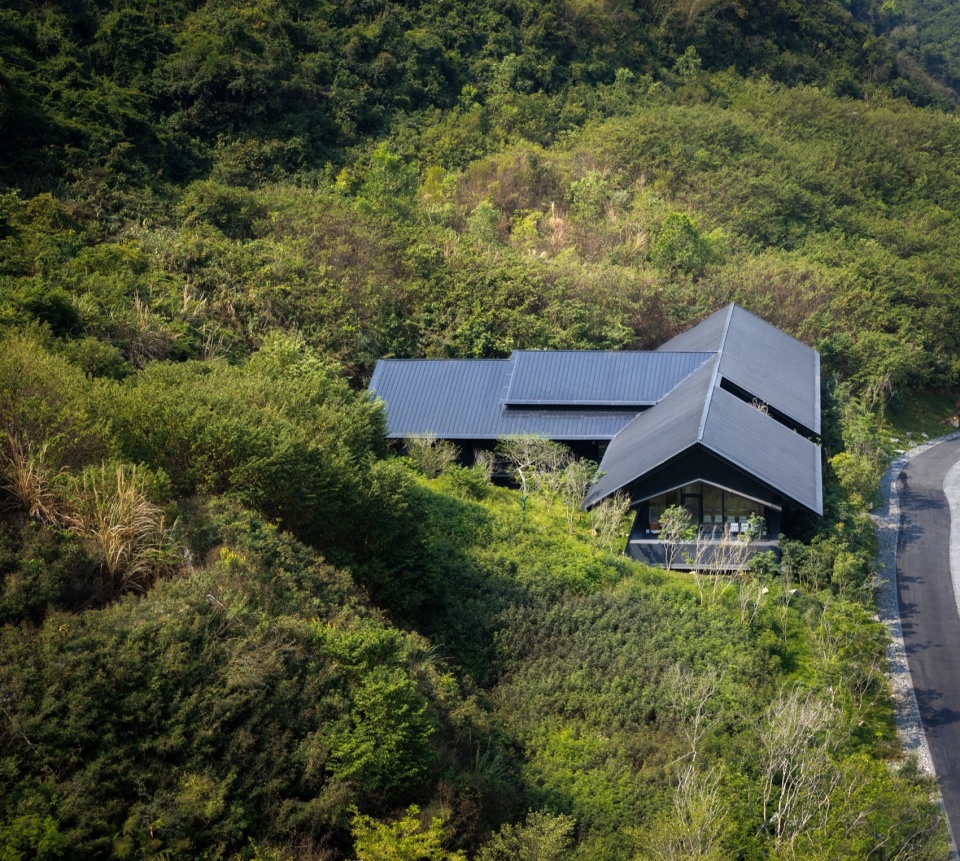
(732, 386)
(761, 363)
(700, 413)
(759, 359)
(595, 378)
(565, 395)
(657, 435)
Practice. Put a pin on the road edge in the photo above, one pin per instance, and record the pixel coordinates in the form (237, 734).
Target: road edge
(886, 522)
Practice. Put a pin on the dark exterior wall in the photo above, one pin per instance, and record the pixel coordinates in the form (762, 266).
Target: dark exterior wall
(588, 449)
(698, 464)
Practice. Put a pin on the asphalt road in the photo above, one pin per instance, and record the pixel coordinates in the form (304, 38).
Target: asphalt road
(928, 612)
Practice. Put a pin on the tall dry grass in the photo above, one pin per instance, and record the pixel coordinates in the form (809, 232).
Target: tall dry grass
(111, 511)
(28, 473)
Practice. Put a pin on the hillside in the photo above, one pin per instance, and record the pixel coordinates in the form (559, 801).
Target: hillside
(922, 32)
(235, 624)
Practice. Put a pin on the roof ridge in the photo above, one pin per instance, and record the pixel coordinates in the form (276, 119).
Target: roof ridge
(716, 373)
(726, 326)
(605, 352)
(506, 384)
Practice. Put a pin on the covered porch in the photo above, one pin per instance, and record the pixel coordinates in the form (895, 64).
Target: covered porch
(720, 518)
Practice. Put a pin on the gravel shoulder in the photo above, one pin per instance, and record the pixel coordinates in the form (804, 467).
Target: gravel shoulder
(888, 522)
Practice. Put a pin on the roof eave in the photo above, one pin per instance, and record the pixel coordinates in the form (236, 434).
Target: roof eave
(818, 481)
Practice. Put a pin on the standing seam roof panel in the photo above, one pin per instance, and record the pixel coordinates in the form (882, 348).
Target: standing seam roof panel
(773, 367)
(655, 436)
(461, 399)
(761, 446)
(601, 378)
(706, 336)
(446, 397)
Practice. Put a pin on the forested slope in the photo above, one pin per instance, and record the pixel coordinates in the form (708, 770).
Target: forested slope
(165, 87)
(235, 625)
(923, 32)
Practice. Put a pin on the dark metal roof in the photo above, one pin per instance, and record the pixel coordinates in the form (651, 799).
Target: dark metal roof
(761, 446)
(757, 357)
(773, 367)
(656, 435)
(463, 399)
(706, 336)
(566, 425)
(699, 412)
(596, 378)
(599, 396)
(442, 396)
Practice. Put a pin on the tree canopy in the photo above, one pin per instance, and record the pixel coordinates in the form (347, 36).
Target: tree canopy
(235, 624)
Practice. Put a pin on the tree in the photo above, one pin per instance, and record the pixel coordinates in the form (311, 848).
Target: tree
(679, 247)
(694, 828)
(851, 648)
(676, 529)
(858, 477)
(528, 454)
(798, 774)
(547, 474)
(690, 692)
(432, 456)
(606, 518)
(542, 837)
(575, 481)
(878, 812)
(406, 839)
(484, 462)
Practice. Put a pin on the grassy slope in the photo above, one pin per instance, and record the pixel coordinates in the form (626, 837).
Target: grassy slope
(483, 661)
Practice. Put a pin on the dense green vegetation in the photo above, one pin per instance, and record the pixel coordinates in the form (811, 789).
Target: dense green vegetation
(233, 624)
(923, 32)
(165, 88)
(474, 655)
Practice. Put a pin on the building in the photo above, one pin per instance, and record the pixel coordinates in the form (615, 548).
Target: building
(723, 419)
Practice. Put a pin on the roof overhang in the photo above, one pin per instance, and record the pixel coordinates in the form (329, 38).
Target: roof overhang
(772, 500)
(733, 385)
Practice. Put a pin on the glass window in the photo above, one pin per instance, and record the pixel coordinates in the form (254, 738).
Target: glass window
(658, 505)
(690, 498)
(719, 508)
(712, 505)
(737, 509)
